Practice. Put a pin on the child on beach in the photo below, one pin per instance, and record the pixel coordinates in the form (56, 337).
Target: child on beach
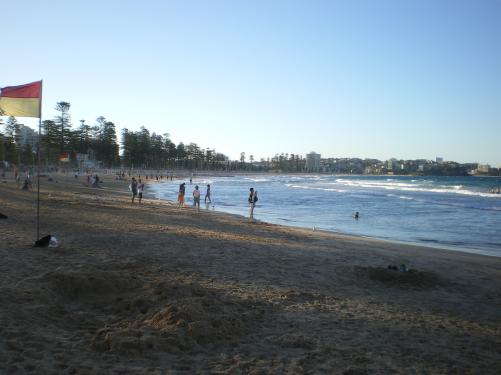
(196, 198)
(140, 189)
(252, 202)
(180, 196)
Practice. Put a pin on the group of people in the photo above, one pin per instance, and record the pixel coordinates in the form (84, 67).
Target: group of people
(27, 183)
(195, 193)
(495, 190)
(92, 180)
(137, 188)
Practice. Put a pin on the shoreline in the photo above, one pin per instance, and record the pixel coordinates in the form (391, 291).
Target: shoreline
(306, 230)
(141, 289)
(424, 244)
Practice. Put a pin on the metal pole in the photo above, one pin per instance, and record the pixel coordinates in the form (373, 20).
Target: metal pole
(38, 166)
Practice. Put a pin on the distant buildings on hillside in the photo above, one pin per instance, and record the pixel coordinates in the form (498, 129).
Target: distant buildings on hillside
(439, 167)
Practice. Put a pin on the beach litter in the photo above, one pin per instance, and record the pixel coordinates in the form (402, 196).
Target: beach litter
(53, 242)
(47, 241)
(402, 268)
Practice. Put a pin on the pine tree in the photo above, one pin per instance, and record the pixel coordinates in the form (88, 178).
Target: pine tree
(50, 141)
(12, 135)
(64, 123)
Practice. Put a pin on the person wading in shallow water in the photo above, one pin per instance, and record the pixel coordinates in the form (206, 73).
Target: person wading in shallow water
(140, 189)
(180, 196)
(207, 194)
(196, 198)
(252, 202)
(133, 188)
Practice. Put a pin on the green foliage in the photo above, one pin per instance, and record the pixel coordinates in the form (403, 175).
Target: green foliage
(143, 149)
(50, 141)
(63, 121)
(139, 149)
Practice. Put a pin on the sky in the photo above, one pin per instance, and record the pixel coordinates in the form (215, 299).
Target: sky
(369, 79)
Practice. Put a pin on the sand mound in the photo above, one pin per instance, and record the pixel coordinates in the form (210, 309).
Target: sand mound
(393, 278)
(75, 284)
(302, 296)
(186, 318)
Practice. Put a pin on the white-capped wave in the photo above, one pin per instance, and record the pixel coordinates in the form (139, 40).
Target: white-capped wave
(454, 189)
(406, 197)
(258, 179)
(315, 188)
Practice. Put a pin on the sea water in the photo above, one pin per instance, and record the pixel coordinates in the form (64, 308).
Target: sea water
(453, 212)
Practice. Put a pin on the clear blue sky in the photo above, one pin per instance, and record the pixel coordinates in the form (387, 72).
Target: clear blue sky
(404, 79)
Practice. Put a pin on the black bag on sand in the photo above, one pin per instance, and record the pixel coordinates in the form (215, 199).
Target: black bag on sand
(44, 241)
(2, 216)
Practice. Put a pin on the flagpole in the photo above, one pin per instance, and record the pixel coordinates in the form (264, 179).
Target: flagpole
(38, 156)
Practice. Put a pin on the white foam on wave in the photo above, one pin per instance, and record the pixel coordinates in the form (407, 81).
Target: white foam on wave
(406, 197)
(454, 189)
(315, 188)
(258, 179)
(366, 183)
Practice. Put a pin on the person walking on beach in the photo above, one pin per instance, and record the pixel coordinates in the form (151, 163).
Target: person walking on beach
(180, 196)
(207, 194)
(30, 180)
(133, 188)
(196, 198)
(252, 202)
(140, 189)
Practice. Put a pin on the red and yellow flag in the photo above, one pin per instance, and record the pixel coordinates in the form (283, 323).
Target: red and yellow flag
(23, 100)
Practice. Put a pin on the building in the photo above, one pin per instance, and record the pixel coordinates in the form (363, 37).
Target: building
(313, 162)
(439, 159)
(483, 168)
(392, 164)
(28, 136)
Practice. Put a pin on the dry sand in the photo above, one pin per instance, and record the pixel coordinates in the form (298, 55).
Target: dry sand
(153, 289)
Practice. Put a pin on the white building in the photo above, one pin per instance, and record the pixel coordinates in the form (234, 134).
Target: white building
(27, 136)
(483, 168)
(313, 162)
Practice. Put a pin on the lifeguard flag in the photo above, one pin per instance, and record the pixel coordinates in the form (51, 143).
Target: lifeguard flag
(23, 100)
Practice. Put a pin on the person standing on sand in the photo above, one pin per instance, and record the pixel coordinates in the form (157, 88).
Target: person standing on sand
(252, 202)
(180, 196)
(140, 189)
(207, 194)
(196, 198)
(133, 188)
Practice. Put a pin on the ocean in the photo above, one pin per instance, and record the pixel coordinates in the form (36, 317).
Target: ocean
(456, 213)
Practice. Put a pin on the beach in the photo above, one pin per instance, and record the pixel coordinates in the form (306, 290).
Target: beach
(454, 213)
(153, 289)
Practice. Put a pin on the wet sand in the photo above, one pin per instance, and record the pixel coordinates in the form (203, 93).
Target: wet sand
(155, 289)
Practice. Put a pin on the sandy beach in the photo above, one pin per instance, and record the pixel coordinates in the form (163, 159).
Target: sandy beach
(153, 289)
